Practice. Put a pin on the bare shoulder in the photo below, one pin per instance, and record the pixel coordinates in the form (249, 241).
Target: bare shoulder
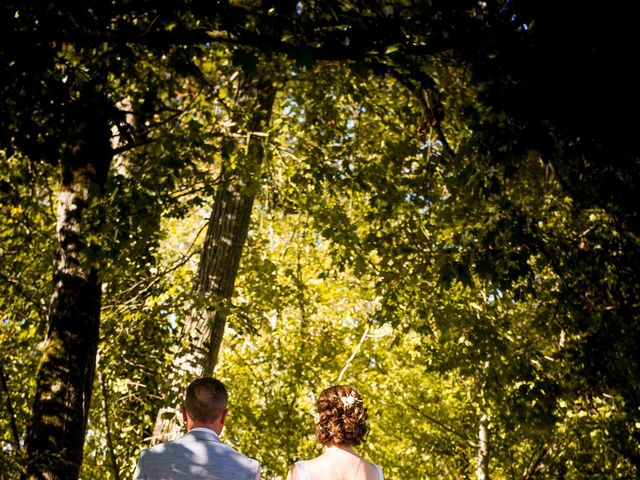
(316, 468)
(293, 473)
(371, 470)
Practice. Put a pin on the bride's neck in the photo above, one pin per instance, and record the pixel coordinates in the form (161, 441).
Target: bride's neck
(338, 448)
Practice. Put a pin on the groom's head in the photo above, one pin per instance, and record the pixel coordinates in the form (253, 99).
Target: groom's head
(206, 400)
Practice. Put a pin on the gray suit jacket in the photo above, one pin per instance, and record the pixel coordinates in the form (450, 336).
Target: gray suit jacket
(197, 455)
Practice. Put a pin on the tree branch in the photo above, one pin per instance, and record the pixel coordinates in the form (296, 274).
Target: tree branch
(23, 293)
(353, 354)
(532, 465)
(107, 425)
(9, 405)
(443, 426)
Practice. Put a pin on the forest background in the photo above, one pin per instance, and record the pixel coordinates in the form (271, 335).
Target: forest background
(432, 201)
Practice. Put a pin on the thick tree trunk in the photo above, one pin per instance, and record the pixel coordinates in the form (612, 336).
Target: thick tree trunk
(56, 431)
(224, 241)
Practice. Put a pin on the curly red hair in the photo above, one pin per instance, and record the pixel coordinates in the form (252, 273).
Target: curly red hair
(342, 418)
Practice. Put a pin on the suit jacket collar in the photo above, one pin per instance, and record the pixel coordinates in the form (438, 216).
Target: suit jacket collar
(204, 434)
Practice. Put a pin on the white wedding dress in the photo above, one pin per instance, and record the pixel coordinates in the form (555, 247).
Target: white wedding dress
(302, 471)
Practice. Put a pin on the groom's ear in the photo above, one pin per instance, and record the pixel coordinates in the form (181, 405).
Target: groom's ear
(223, 417)
(183, 411)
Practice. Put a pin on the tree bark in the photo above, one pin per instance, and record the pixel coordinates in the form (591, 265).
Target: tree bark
(482, 471)
(56, 430)
(226, 234)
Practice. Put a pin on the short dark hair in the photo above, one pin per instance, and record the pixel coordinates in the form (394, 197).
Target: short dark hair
(206, 399)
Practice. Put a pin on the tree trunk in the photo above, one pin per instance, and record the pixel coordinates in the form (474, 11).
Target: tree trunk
(226, 234)
(482, 471)
(56, 431)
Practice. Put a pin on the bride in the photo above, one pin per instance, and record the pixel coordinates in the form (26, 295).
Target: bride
(341, 425)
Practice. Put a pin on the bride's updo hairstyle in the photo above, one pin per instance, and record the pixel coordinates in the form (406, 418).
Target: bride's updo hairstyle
(342, 418)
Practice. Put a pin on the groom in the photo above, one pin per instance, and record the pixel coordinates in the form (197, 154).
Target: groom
(199, 453)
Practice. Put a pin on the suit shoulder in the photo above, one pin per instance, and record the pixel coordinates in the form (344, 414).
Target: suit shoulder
(238, 454)
(241, 458)
(160, 448)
